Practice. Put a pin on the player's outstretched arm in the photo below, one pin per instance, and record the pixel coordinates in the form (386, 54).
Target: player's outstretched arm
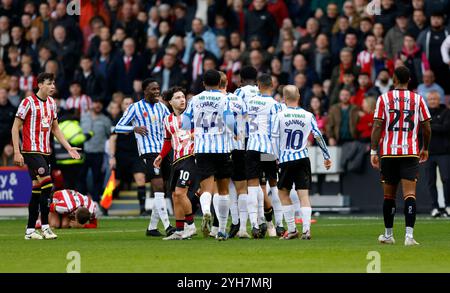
(73, 151)
(375, 139)
(426, 129)
(18, 158)
(321, 143)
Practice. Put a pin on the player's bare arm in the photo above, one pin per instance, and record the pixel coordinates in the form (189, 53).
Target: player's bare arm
(426, 129)
(375, 138)
(73, 151)
(18, 158)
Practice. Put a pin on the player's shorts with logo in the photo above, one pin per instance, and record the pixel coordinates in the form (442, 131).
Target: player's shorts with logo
(296, 172)
(393, 169)
(153, 172)
(218, 165)
(38, 164)
(184, 174)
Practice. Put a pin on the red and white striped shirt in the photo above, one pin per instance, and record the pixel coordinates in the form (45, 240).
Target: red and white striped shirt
(81, 104)
(27, 83)
(182, 140)
(401, 111)
(37, 116)
(66, 201)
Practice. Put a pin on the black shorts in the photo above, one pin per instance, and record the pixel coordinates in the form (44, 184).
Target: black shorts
(184, 174)
(218, 165)
(238, 158)
(151, 171)
(38, 164)
(298, 172)
(257, 168)
(394, 169)
(127, 165)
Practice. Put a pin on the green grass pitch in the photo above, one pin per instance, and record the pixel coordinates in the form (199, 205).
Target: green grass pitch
(340, 244)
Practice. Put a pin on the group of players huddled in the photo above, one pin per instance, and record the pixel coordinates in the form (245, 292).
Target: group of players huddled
(217, 137)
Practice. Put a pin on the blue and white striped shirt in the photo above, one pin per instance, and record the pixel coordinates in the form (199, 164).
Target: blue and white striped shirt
(290, 131)
(208, 112)
(151, 116)
(246, 92)
(239, 109)
(261, 110)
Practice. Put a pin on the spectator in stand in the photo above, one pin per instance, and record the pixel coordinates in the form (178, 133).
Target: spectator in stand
(100, 125)
(4, 76)
(320, 59)
(418, 24)
(103, 61)
(208, 64)
(341, 29)
(316, 107)
(439, 152)
(364, 89)
(387, 16)
(78, 102)
(92, 83)
(5, 38)
(365, 28)
(337, 77)
(195, 64)
(342, 120)
(15, 95)
(365, 122)
(260, 22)
(18, 40)
(381, 61)
(414, 58)
(13, 64)
(431, 40)
(7, 113)
(65, 50)
(169, 75)
(275, 71)
(286, 56)
(199, 30)
(103, 34)
(378, 32)
(393, 42)
(43, 21)
(365, 58)
(300, 66)
(318, 91)
(328, 20)
(301, 82)
(257, 61)
(429, 85)
(27, 81)
(306, 42)
(383, 82)
(126, 67)
(7, 158)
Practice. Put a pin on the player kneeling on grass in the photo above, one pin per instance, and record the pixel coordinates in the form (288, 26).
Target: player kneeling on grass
(71, 209)
(183, 172)
(290, 131)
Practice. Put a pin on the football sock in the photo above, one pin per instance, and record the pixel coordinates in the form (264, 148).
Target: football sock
(296, 203)
(154, 218)
(288, 211)
(277, 208)
(268, 214)
(410, 215)
(33, 208)
(160, 203)
(215, 203)
(44, 202)
(388, 214)
(224, 208)
(243, 212)
(189, 219)
(141, 197)
(234, 211)
(252, 205)
(179, 225)
(260, 206)
(205, 202)
(306, 218)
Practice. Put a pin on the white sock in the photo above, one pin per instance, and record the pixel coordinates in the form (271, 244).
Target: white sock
(43, 227)
(234, 211)
(214, 230)
(223, 208)
(215, 201)
(296, 202)
(288, 211)
(154, 218)
(261, 218)
(160, 203)
(409, 232)
(30, 230)
(205, 202)
(306, 218)
(276, 204)
(243, 212)
(388, 232)
(252, 205)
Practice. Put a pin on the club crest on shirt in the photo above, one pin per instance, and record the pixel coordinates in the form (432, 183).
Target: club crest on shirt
(41, 170)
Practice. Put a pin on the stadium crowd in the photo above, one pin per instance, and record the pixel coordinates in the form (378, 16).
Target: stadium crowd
(339, 56)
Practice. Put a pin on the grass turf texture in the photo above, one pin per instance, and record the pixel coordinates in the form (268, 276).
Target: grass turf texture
(340, 244)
